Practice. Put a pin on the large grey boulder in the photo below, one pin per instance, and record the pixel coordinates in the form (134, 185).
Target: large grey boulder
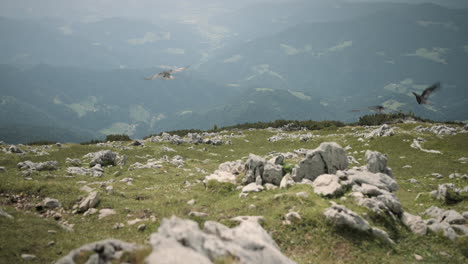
(328, 158)
(103, 157)
(272, 173)
(327, 185)
(248, 242)
(40, 166)
(377, 162)
(253, 168)
(104, 251)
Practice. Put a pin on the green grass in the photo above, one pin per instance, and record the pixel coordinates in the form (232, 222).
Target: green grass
(163, 193)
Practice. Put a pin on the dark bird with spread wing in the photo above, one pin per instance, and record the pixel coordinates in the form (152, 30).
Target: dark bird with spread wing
(376, 108)
(167, 75)
(422, 99)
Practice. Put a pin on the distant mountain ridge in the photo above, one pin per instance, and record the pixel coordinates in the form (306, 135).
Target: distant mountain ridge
(79, 78)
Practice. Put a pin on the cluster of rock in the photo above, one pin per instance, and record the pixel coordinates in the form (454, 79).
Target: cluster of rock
(182, 241)
(153, 163)
(441, 129)
(97, 161)
(282, 136)
(448, 222)
(227, 172)
(383, 131)
(325, 169)
(95, 171)
(196, 138)
(103, 251)
(39, 166)
(449, 193)
(105, 158)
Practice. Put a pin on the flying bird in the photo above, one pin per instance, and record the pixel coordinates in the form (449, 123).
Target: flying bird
(377, 108)
(422, 99)
(167, 75)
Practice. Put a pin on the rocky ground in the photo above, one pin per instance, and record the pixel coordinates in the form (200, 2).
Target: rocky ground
(387, 194)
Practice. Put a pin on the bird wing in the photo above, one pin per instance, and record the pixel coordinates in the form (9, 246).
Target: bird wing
(178, 69)
(157, 75)
(376, 108)
(430, 89)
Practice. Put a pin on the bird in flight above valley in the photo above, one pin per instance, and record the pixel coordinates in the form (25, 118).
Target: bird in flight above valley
(375, 108)
(422, 99)
(167, 75)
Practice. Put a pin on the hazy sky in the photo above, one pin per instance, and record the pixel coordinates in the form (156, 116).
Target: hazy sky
(153, 10)
(88, 10)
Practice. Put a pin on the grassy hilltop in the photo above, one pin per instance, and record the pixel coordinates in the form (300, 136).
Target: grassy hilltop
(160, 193)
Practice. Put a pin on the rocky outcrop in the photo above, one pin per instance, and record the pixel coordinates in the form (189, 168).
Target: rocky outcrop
(105, 251)
(227, 172)
(415, 223)
(89, 202)
(40, 166)
(95, 171)
(254, 169)
(383, 131)
(417, 145)
(15, 149)
(103, 157)
(448, 193)
(182, 241)
(438, 130)
(328, 158)
(341, 216)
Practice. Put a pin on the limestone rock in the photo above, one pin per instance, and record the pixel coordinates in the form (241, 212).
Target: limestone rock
(287, 181)
(103, 251)
(414, 223)
(377, 162)
(272, 173)
(383, 131)
(253, 168)
(103, 157)
(328, 158)
(342, 216)
(182, 241)
(40, 166)
(327, 185)
(105, 212)
(221, 176)
(252, 187)
(380, 180)
(50, 203)
(89, 202)
(5, 214)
